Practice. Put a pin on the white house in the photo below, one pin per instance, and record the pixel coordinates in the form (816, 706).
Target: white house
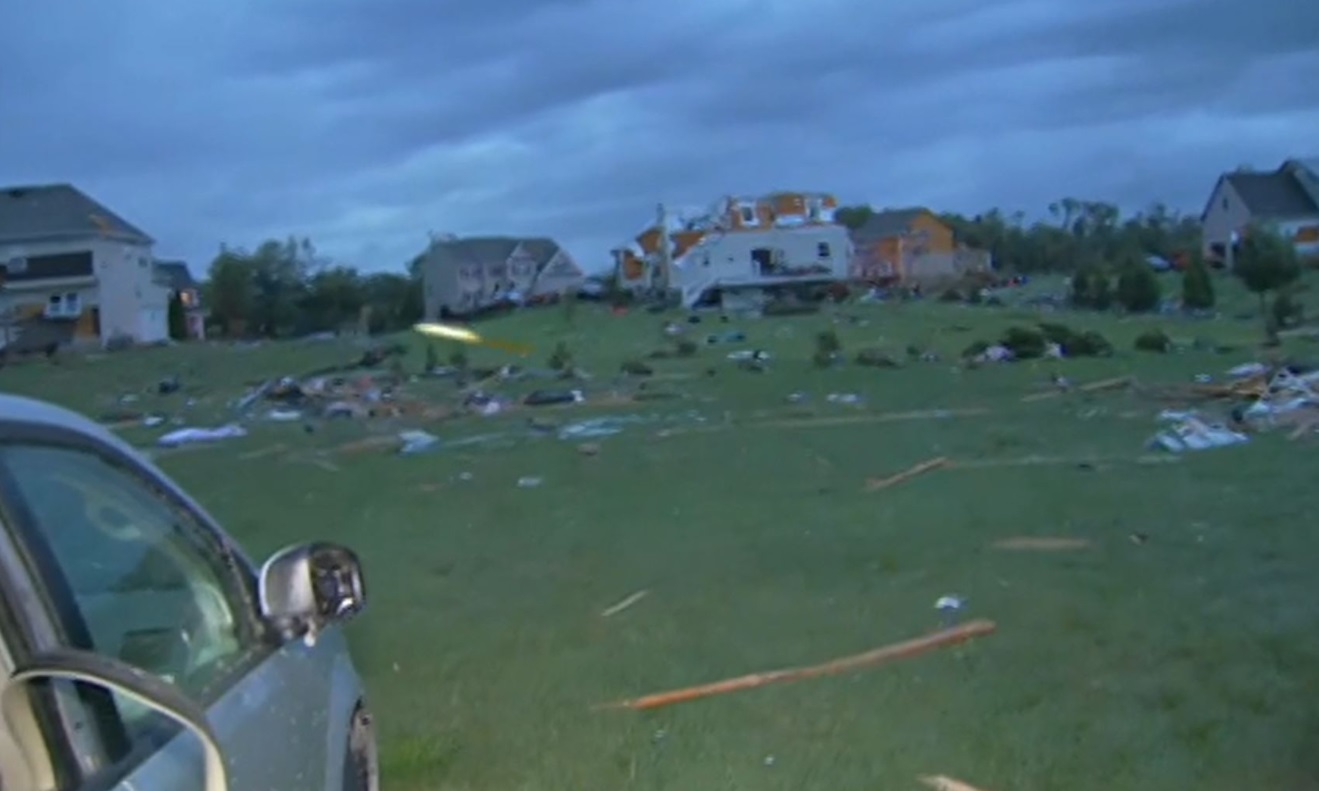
(784, 240)
(76, 269)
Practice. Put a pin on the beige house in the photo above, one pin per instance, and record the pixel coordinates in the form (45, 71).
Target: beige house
(75, 271)
(912, 246)
(461, 276)
(1286, 199)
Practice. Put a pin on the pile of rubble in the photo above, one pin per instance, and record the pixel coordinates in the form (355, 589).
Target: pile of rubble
(1262, 397)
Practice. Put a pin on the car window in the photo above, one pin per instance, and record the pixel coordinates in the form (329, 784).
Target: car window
(148, 583)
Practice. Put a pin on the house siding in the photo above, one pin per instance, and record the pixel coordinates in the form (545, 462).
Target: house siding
(1225, 214)
(559, 274)
(122, 286)
(725, 259)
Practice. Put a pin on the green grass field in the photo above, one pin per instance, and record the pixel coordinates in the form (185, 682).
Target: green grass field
(1187, 661)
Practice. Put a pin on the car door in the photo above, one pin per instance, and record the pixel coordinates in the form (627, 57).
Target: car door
(121, 565)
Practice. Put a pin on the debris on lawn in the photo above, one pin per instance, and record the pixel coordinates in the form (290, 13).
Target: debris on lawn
(876, 484)
(1063, 386)
(1042, 543)
(904, 650)
(1191, 432)
(624, 603)
(529, 482)
(416, 441)
(946, 783)
(188, 436)
(948, 608)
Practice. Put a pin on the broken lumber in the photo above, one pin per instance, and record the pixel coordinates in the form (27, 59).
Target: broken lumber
(875, 484)
(878, 656)
(1042, 543)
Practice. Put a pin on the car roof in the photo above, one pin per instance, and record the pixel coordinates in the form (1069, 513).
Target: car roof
(19, 409)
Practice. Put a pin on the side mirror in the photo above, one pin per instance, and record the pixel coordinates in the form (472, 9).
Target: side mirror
(32, 769)
(307, 587)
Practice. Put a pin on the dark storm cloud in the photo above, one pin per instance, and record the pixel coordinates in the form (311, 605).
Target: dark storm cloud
(367, 123)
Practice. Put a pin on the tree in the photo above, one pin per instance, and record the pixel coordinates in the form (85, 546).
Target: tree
(1138, 289)
(1197, 285)
(228, 290)
(178, 318)
(1265, 263)
(1091, 289)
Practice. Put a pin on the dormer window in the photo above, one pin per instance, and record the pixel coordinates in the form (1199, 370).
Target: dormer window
(748, 215)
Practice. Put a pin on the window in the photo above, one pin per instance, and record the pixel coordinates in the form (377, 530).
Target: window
(64, 305)
(132, 574)
(748, 214)
(822, 250)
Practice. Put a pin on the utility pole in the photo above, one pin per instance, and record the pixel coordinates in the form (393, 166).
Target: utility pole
(665, 252)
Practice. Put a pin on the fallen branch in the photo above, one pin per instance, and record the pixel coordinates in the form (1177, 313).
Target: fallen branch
(875, 484)
(903, 650)
(624, 604)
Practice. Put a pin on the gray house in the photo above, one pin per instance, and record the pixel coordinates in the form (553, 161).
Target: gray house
(1286, 199)
(462, 276)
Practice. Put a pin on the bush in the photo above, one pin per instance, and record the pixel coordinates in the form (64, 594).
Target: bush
(458, 358)
(828, 341)
(685, 348)
(875, 358)
(951, 295)
(561, 357)
(1197, 286)
(975, 349)
(1024, 342)
(636, 368)
(1076, 344)
(1153, 341)
(1287, 310)
(1138, 289)
(1091, 289)
(432, 358)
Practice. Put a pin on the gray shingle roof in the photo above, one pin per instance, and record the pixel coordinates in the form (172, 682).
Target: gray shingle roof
(34, 212)
(1270, 195)
(176, 275)
(889, 222)
(485, 250)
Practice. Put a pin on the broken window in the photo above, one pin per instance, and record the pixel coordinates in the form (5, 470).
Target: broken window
(822, 250)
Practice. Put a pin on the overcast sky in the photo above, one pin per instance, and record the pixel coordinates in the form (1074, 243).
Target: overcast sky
(364, 124)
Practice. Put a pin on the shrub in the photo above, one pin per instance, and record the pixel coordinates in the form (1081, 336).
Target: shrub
(561, 357)
(685, 348)
(432, 358)
(458, 358)
(1197, 286)
(1138, 289)
(1287, 310)
(1153, 341)
(636, 368)
(1024, 342)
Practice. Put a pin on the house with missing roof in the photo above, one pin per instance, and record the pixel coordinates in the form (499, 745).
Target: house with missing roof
(75, 271)
(463, 276)
(1286, 199)
(738, 248)
(912, 246)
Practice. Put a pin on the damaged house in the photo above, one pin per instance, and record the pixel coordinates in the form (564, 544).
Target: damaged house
(464, 276)
(738, 246)
(75, 271)
(911, 246)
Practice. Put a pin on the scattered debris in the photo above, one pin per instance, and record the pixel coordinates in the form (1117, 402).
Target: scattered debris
(415, 441)
(903, 650)
(1042, 543)
(946, 783)
(875, 484)
(623, 604)
(188, 436)
(529, 482)
(1190, 432)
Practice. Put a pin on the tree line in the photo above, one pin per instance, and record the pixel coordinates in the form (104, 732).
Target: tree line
(1107, 255)
(284, 288)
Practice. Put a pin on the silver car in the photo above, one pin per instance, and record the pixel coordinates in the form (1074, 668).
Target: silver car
(141, 649)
